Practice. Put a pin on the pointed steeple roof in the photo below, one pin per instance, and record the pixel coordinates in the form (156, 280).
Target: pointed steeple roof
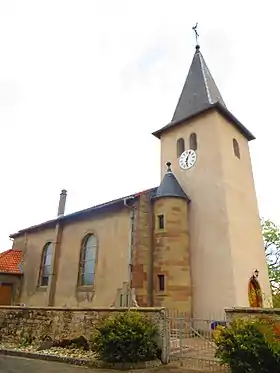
(169, 186)
(200, 94)
(199, 91)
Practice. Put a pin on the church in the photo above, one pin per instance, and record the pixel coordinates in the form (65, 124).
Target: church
(193, 243)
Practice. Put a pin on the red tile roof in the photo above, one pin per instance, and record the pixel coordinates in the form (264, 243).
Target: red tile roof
(10, 260)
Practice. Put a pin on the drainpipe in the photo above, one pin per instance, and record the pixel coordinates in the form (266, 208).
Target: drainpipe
(130, 244)
(151, 256)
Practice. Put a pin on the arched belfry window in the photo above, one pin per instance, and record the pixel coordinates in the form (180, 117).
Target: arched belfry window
(236, 149)
(193, 141)
(180, 146)
(46, 264)
(88, 260)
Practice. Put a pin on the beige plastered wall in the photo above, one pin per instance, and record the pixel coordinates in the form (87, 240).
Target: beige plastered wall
(220, 267)
(245, 229)
(112, 231)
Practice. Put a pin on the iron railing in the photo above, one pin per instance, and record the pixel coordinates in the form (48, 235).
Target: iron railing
(192, 340)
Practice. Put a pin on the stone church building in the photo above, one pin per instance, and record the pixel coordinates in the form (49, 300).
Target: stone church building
(193, 244)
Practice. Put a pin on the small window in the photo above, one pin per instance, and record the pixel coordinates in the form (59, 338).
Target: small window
(161, 285)
(193, 141)
(160, 222)
(46, 264)
(180, 146)
(236, 149)
(87, 261)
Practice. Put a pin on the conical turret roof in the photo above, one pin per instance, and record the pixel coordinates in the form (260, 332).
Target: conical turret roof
(169, 186)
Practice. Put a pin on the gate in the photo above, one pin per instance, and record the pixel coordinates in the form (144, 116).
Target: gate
(192, 341)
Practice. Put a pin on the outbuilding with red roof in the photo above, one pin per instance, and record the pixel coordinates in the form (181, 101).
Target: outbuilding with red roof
(10, 276)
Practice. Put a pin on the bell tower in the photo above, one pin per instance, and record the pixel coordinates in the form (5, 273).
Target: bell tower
(226, 245)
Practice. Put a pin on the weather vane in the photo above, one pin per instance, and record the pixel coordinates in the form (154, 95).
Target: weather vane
(196, 33)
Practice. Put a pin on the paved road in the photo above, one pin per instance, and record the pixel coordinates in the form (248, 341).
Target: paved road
(9, 364)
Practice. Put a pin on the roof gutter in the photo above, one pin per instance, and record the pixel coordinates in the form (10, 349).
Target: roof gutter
(11, 273)
(223, 111)
(73, 216)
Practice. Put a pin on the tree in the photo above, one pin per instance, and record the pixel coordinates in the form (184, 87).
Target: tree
(271, 237)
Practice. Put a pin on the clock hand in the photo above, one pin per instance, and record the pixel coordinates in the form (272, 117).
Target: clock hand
(187, 159)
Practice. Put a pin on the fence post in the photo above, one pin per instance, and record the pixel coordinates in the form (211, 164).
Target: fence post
(165, 337)
(181, 332)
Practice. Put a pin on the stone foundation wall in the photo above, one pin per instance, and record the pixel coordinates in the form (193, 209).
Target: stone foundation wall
(244, 312)
(17, 323)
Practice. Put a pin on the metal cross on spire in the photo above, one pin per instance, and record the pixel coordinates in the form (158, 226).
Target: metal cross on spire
(196, 33)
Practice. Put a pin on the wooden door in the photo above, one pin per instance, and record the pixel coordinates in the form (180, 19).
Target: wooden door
(6, 293)
(255, 294)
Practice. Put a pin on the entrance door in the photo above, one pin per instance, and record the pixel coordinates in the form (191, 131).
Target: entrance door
(255, 294)
(6, 294)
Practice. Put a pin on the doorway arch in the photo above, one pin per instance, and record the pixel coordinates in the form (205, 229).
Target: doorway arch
(255, 293)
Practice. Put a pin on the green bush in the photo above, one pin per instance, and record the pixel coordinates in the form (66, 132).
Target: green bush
(249, 346)
(126, 337)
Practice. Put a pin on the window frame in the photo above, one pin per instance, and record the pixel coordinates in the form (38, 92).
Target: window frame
(160, 219)
(193, 141)
(48, 246)
(180, 146)
(236, 148)
(83, 261)
(161, 282)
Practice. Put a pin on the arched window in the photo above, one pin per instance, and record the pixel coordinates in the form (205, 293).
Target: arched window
(236, 148)
(87, 261)
(193, 141)
(255, 293)
(180, 146)
(46, 264)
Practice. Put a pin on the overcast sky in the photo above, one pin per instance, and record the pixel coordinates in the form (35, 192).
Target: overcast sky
(83, 83)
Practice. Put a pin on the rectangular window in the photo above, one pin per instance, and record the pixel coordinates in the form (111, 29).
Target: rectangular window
(161, 283)
(160, 222)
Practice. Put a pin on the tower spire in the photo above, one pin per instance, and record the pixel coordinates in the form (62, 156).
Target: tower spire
(199, 90)
(200, 94)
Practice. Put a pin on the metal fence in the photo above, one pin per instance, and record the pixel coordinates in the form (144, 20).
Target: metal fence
(192, 342)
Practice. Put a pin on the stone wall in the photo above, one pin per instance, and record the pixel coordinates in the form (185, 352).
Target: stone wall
(17, 323)
(244, 312)
(142, 252)
(171, 256)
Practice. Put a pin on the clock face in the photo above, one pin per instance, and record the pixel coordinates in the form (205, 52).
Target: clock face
(187, 159)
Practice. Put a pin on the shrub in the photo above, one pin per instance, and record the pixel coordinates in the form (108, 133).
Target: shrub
(126, 337)
(249, 346)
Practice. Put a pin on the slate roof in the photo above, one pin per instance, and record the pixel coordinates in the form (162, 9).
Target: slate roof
(199, 89)
(169, 186)
(10, 261)
(199, 94)
(83, 214)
